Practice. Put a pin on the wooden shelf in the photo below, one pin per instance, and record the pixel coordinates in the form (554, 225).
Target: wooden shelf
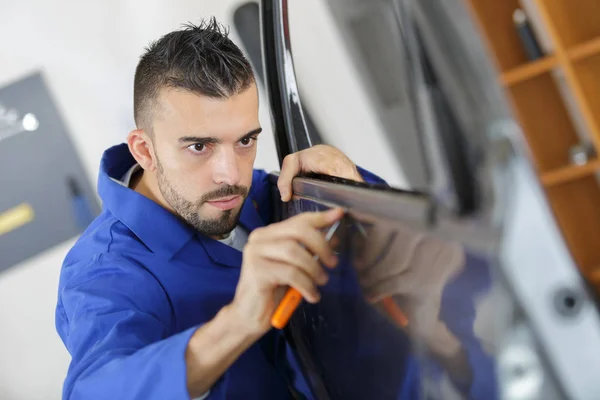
(585, 50)
(496, 21)
(594, 275)
(588, 75)
(575, 206)
(556, 111)
(574, 21)
(546, 123)
(528, 71)
(569, 173)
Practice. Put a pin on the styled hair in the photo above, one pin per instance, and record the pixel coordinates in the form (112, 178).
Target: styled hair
(198, 58)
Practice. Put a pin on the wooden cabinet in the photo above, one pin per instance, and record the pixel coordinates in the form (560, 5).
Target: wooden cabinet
(556, 99)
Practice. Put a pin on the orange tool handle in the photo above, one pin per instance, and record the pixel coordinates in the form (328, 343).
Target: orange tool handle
(286, 308)
(394, 312)
(292, 299)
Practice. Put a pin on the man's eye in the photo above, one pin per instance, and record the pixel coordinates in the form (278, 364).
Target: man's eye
(247, 141)
(197, 147)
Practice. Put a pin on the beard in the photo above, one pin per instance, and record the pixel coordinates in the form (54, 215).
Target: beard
(189, 211)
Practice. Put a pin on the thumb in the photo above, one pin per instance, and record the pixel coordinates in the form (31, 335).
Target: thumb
(289, 169)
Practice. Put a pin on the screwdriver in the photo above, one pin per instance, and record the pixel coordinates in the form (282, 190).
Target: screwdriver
(292, 298)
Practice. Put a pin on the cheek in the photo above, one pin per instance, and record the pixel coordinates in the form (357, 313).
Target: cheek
(246, 168)
(191, 183)
(198, 181)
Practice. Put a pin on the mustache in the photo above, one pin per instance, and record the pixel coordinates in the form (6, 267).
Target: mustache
(225, 191)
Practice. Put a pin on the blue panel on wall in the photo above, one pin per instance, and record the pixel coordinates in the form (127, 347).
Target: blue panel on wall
(45, 196)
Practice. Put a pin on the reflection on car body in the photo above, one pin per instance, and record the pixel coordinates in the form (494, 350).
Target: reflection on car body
(349, 345)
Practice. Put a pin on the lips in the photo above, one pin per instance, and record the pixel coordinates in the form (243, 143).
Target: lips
(226, 203)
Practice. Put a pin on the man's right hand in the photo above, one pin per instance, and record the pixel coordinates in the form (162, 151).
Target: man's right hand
(282, 255)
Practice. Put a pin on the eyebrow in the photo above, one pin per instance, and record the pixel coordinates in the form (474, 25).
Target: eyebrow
(214, 140)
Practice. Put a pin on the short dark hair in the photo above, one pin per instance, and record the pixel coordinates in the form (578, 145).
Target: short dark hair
(199, 58)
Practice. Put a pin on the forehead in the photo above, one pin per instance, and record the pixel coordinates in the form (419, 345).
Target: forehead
(180, 111)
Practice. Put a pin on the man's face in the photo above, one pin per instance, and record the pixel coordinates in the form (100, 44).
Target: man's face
(205, 150)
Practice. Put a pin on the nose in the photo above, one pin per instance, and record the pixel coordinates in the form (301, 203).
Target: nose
(225, 168)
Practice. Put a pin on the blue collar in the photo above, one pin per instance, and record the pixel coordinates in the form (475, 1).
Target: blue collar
(159, 229)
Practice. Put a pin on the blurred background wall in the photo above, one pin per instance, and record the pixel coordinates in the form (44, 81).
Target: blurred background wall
(87, 52)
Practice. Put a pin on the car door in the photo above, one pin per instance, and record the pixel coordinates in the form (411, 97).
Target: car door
(429, 299)
(355, 343)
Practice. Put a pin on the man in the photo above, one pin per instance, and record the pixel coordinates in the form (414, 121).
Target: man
(169, 292)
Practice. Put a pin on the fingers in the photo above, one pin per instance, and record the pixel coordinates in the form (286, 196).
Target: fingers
(290, 275)
(292, 253)
(321, 219)
(304, 229)
(284, 253)
(320, 158)
(289, 169)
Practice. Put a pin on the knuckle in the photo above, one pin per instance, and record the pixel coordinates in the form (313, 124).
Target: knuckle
(289, 159)
(290, 249)
(255, 235)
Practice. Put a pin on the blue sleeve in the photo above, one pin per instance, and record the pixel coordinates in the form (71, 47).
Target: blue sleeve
(370, 177)
(114, 319)
(261, 194)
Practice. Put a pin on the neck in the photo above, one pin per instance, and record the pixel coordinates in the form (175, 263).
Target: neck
(145, 183)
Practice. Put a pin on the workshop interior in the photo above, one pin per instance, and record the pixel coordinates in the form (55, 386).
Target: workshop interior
(482, 117)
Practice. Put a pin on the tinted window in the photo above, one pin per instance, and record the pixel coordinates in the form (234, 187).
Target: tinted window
(354, 345)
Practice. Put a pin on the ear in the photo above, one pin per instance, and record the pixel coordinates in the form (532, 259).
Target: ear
(140, 146)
